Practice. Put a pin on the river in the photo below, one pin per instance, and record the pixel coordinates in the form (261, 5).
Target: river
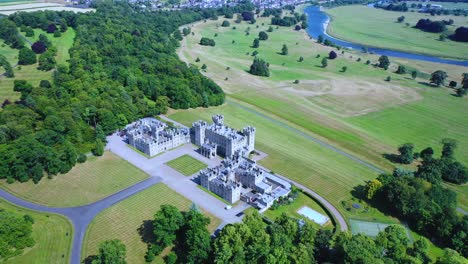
(318, 22)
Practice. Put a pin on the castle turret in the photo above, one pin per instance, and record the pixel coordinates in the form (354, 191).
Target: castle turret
(249, 132)
(199, 132)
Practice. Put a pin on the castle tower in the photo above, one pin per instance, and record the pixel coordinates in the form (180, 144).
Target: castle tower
(249, 132)
(218, 120)
(199, 132)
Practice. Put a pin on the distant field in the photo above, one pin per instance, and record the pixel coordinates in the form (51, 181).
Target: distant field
(445, 5)
(186, 165)
(377, 27)
(85, 183)
(31, 6)
(52, 233)
(30, 72)
(16, 2)
(123, 220)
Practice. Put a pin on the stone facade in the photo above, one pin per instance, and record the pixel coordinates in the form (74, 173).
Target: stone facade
(228, 140)
(152, 136)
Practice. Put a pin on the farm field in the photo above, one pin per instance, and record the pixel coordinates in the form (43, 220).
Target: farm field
(91, 181)
(186, 165)
(30, 72)
(123, 220)
(17, 2)
(377, 27)
(52, 233)
(31, 6)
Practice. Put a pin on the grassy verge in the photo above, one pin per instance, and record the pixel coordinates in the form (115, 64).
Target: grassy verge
(123, 221)
(377, 27)
(52, 233)
(186, 165)
(85, 183)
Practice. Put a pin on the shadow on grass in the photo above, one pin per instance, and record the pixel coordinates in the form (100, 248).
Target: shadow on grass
(394, 158)
(428, 84)
(146, 231)
(89, 259)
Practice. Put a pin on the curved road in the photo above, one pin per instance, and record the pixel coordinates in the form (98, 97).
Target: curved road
(81, 216)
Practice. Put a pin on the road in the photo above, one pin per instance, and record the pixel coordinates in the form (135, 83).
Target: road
(81, 216)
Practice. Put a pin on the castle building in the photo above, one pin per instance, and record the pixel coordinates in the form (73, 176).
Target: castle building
(238, 178)
(152, 136)
(228, 141)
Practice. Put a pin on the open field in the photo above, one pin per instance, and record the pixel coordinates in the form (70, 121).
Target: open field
(445, 5)
(31, 6)
(85, 183)
(377, 27)
(186, 165)
(30, 72)
(123, 220)
(52, 233)
(326, 102)
(16, 2)
(10, 54)
(291, 209)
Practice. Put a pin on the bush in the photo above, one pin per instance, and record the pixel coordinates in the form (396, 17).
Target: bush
(81, 158)
(297, 27)
(401, 69)
(344, 68)
(259, 68)
(203, 67)
(207, 42)
(461, 34)
(431, 26)
(26, 56)
(332, 55)
(39, 47)
(388, 78)
(57, 34)
(453, 84)
(296, 81)
(225, 23)
(262, 35)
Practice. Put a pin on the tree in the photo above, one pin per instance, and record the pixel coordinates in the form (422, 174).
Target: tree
(394, 240)
(384, 62)
(38, 47)
(461, 34)
(401, 69)
(256, 43)
(406, 153)
(46, 61)
(438, 77)
(462, 92)
(372, 187)
(259, 67)
(111, 252)
(226, 24)
(453, 84)
(99, 148)
(194, 245)
(297, 27)
(430, 171)
(464, 81)
(414, 74)
(448, 148)
(15, 234)
(7, 66)
(320, 39)
(203, 67)
(324, 62)
(451, 257)
(284, 50)
(26, 57)
(332, 55)
(207, 42)
(344, 68)
(301, 59)
(262, 35)
(401, 19)
(427, 153)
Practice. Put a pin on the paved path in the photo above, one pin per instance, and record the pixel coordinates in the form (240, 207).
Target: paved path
(82, 216)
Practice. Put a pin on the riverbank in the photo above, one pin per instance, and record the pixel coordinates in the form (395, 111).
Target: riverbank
(385, 36)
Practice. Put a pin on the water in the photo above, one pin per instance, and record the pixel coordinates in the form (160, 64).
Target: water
(318, 22)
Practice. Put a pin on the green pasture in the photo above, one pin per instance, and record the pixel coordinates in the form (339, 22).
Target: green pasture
(445, 5)
(91, 181)
(124, 219)
(16, 2)
(290, 154)
(52, 233)
(377, 27)
(186, 165)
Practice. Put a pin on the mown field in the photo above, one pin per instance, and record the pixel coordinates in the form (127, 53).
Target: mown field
(30, 72)
(186, 165)
(85, 183)
(52, 233)
(356, 110)
(123, 221)
(377, 27)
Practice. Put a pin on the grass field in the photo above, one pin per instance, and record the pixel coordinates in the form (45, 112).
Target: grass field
(186, 164)
(123, 220)
(291, 209)
(16, 2)
(377, 27)
(52, 233)
(30, 72)
(356, 111)
(85, 183)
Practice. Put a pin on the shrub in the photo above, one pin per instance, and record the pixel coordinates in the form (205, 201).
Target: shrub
(296, 81)
(225, 23)
(453, 84)
(26, 56)
(344, 68)
(207, 42)
(262, 35)
(81, 158)
(38, 47)
(203, 67)
(401, 69)
(388, 78)
(259, 67)
(332, 55)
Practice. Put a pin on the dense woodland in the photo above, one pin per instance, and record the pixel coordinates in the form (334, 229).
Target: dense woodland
(15, 234)
(123, 67)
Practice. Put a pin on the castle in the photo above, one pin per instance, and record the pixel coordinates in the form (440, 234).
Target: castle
(152, 136)
(239, 178)
(224, 140)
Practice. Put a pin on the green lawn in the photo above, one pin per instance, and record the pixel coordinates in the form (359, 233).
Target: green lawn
(186, 164)
(16, 2)
(85, 183)
(291, 209)
(377, 27)
(52, 233)
(123, 220)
